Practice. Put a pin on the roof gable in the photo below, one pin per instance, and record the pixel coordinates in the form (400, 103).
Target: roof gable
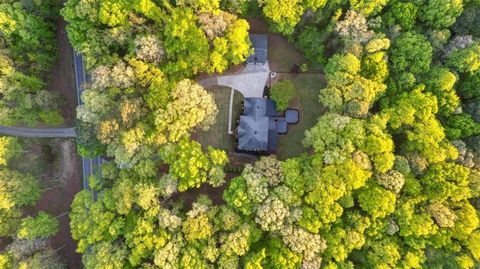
(260, 107)
(253, 133)
(257, 127)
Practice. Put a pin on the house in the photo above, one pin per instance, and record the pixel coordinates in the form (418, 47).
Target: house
(257, 127)
(260, 52)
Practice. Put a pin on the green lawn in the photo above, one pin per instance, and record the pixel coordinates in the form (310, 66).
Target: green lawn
(218, 136)
(281, 54)
(307, 88)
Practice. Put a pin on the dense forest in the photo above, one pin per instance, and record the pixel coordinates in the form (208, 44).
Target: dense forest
(390, 174)
(393, 177)
(27, 54)
(25, 236)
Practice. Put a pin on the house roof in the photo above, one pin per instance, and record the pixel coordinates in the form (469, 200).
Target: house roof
(253, 133)
(260, 107)
(260, 48)
(281, 125)
(257, 127)
(272, 141)
(291, 116)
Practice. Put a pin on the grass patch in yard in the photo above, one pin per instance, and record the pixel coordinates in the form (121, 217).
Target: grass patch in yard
(217, 136)
(282, 56)
(307, 87)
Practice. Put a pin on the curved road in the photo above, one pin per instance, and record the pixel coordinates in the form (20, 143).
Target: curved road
(37, 132)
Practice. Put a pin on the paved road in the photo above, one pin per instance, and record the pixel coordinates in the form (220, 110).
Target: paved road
(91, 167)
(37, 132)
(80, 76)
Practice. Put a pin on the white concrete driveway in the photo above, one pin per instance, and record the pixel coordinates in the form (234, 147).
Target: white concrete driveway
(251, 82)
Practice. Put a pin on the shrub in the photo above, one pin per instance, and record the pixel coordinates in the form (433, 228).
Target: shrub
(282, 93)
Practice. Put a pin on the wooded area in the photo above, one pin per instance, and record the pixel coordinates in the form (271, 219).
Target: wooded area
(389, 177)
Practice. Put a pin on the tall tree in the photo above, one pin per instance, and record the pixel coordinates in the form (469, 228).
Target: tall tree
(43, 225)
(9, 147)
(282, 93)
(17, 189)
(285, 15)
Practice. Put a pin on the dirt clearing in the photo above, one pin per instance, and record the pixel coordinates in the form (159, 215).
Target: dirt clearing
(57, 199)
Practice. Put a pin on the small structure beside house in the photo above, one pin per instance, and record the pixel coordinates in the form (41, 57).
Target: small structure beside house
(292, 116)
(260, 49)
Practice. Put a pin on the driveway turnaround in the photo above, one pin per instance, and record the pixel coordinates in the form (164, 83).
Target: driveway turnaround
(251, 82)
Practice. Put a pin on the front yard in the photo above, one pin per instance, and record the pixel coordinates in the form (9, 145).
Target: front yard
(218, 136)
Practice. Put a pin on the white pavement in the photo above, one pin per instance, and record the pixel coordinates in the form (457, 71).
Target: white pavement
(251, 82)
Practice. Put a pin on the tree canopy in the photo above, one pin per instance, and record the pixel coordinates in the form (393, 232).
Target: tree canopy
(390, 174)
(28, 52)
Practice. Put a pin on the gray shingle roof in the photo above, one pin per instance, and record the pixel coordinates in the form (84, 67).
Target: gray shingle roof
(260, 47)
(253, 133)
(260, 107)
(291, 116)
(281, 125)
(257, 128)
